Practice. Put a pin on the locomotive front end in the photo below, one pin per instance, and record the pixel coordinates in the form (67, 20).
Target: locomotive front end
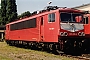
(69, 26)
(72, 34)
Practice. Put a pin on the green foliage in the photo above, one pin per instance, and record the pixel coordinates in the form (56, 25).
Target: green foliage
(11, 13)
(25, 14)
(3, 12)
(8, 11)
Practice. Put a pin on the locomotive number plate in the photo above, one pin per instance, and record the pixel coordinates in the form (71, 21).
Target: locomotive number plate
(72, 33)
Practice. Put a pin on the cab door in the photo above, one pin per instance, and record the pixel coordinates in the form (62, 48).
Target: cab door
(7, 32)
(41, 28)
(51, 27)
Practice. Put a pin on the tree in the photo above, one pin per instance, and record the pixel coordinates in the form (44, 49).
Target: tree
(25, 14)
(3, 12)
(11, 13)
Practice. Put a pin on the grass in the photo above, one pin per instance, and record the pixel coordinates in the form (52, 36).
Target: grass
(4, 58)
(14, 53)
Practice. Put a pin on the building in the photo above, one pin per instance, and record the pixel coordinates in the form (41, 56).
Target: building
(2, 32)
(85, 7)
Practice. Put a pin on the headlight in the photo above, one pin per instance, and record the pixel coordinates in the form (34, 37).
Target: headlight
(63, 33)
(81, 34)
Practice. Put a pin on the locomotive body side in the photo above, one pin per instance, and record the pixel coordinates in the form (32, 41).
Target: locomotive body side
(25, 30)
(36, 29)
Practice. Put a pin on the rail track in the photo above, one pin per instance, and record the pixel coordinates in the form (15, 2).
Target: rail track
(82, 57)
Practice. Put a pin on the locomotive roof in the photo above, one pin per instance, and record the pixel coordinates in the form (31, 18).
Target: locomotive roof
(47, 12)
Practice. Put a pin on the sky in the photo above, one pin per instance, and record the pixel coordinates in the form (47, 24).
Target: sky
(34, 5)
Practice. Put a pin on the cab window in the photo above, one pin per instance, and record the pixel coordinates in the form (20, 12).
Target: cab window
(51, 17)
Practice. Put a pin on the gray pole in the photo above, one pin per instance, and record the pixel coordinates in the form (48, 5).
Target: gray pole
(1, 36)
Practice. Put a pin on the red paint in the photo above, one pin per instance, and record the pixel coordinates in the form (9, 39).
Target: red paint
(87, 26)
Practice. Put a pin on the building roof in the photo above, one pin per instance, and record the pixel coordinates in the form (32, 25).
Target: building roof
(83, 5)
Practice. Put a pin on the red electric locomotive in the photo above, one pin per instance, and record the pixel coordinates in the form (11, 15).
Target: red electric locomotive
(55, 28)
(86, 21)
